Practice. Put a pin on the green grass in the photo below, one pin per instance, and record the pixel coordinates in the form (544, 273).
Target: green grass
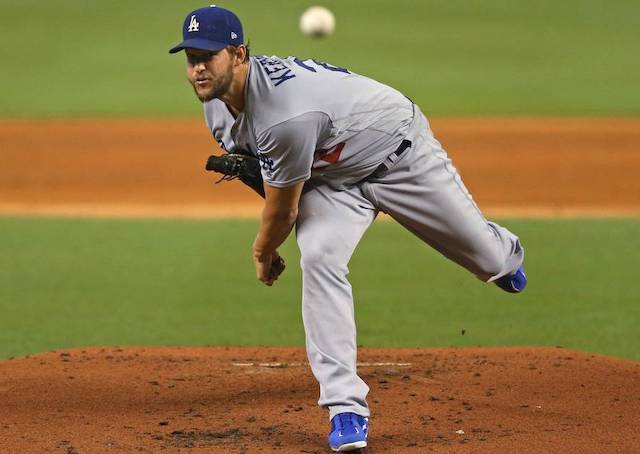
(72, 283)
(109, 58)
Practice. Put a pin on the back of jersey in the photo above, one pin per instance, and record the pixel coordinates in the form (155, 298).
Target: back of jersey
(291, 87)
(368, 119)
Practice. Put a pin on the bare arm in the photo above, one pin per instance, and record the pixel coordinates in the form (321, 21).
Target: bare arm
(278, 218)
(287, 152)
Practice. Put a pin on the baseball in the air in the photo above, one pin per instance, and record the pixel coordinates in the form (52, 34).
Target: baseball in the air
(317, 22)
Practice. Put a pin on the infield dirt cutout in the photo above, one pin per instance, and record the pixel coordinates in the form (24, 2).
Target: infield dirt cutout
(521, 167)
(230, 400)
(527, 400)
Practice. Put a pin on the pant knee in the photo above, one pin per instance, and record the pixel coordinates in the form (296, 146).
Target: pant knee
(317, 259)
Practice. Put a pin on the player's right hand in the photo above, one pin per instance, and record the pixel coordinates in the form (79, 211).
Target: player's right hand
(277, 267)
(269, 268)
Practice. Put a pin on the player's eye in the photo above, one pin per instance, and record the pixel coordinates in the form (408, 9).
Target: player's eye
(201, 58)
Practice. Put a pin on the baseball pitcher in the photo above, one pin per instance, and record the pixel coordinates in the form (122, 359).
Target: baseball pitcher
(329, 149)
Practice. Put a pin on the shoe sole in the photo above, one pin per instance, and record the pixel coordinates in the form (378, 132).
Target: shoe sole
(350, 446)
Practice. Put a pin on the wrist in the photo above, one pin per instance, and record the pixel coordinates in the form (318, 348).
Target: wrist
(260, 254)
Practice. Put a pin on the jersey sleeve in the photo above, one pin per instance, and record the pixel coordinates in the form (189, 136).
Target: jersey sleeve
(219, 121)
(286, 150)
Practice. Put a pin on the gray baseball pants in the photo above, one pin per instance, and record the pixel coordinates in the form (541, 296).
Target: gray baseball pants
(423, 192)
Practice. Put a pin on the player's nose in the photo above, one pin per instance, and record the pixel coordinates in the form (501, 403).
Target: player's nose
(199, 67)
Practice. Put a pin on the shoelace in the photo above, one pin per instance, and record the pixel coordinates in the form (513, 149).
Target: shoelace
(346, 420)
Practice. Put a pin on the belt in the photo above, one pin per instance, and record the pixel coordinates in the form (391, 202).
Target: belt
(384, 166)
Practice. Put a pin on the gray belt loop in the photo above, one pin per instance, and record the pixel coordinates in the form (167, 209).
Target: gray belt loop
(391, 159)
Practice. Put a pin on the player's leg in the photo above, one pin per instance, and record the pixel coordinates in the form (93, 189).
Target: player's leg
(424, 192)
(329, 226)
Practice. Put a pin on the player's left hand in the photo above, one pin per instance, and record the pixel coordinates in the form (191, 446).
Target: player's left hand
(269, 267)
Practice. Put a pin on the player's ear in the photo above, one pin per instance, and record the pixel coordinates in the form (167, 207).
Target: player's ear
(240, 53)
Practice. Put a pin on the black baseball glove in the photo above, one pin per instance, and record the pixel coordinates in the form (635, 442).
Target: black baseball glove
(242, 165)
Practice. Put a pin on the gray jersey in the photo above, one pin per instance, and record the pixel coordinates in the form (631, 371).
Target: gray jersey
(307, 119)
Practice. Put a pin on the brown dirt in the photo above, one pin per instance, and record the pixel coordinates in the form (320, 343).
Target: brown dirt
(225, 400)
(201, 400)
(156, 167)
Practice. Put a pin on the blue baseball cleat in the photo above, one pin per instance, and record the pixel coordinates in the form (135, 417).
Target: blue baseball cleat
(513, 283)
(348, 432)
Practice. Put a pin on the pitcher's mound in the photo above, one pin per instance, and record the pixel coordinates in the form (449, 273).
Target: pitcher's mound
(250, 400)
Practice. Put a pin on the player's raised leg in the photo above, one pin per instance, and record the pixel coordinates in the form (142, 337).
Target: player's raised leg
(424, 192)
(330, 225)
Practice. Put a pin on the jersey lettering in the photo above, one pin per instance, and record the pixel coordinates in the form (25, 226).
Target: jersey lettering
(331, 67)
(330, 156)
(278, 72)
(304, 65)
(321, 64)
(266, 164)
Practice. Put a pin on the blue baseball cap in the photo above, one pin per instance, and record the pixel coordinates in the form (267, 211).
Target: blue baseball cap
(210, 28)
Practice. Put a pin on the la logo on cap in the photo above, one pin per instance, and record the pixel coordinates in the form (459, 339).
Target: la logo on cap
(233, 35)
(194, 25)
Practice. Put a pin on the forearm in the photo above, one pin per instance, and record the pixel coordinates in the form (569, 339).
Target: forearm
(275, 226)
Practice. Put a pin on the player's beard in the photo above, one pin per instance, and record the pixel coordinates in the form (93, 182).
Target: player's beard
(219, 86)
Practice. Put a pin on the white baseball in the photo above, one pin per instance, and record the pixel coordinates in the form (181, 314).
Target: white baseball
(317, 22)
